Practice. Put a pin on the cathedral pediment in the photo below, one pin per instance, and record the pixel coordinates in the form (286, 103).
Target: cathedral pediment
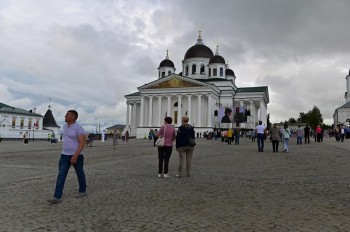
(173, 82)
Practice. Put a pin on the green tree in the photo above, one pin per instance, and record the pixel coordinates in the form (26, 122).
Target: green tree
(314, 117)
(302, 118)
(292, 120)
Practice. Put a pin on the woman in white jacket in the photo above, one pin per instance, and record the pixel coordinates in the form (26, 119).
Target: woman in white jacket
(286, 135)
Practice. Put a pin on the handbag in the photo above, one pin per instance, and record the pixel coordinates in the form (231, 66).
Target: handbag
(191, 141)
(160, 141)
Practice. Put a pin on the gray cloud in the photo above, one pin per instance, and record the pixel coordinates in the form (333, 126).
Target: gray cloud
(87, 55)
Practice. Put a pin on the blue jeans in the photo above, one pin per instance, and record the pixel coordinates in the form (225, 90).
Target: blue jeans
(63, 168)
(261, 139)
(286, 143)
(299, 140)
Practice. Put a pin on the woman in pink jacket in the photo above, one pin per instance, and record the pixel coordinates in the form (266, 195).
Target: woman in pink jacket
(168, 132)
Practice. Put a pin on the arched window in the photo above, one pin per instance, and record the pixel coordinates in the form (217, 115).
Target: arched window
(202, 69)
(169, 72)
(186, 71)
(163, 74)
(221, 72)
(176, 104)
(193, 69)
(209, 71)
(215, 72)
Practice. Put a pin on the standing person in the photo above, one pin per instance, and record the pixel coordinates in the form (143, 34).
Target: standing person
(342, 133)
(229, 136)
(318, 133)
(183, 147)
(253, 135)
(275, 137)
(237, 132)
(300, 132)
(91, 139)
(115, 138)
(260, 131)
(155, 132)
(72, 154)
(307, 133)
(168, 132)
(25, 138)
(127, 136)
(286, 135)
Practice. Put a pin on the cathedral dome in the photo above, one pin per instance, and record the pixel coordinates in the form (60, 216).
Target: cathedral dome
(166, 63)
(229, 72)
(199, 50)
(217, 59)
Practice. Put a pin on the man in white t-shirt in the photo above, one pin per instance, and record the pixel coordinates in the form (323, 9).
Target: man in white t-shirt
(260, 131)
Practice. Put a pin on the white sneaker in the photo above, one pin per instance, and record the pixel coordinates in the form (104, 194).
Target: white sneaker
(166, 176)
(159, 175)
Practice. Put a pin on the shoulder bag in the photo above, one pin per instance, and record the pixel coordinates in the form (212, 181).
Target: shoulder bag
(160, 141)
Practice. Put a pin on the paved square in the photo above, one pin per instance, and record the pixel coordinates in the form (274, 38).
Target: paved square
(232, 188)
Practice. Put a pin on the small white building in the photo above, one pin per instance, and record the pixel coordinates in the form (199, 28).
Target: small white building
(14, 122)
(342, 114)
(204, 91)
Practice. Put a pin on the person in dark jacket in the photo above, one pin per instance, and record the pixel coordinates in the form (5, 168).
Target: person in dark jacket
(182, 146)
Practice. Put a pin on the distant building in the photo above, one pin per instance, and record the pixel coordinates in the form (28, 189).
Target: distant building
(14, 122)
(342, 114)
(205, 90)
(49, 123)
(118, 127)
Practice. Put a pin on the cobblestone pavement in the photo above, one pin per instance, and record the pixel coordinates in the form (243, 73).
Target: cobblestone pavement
(232, 188)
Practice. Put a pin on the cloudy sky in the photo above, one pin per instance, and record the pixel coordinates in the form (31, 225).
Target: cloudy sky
(88, 54)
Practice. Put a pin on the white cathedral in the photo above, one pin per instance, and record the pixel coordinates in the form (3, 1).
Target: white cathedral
(203, 91)
(341, 114)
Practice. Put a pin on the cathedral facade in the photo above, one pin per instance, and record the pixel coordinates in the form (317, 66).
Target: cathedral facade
(205, 91)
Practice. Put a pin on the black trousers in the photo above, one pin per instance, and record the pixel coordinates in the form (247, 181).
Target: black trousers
(275, 144)
(164, 154)
(307, 139)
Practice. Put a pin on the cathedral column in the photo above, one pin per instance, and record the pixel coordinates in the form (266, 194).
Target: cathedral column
(141, 110)
(168, 114)
(209, 110)
(131, 124)
(252, 114)
(127, 115)
(189, 101)
(199, 110)
(159, 110)
(179, 113)
(150, 111)
(262, 112)
(241, 104)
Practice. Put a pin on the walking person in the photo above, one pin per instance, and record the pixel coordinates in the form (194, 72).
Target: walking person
(168, 132)
(286, 135)
(183, 147)
(260, 131)
(275, 137)
(307, 134)
(72, 154)
(115, 138)
(300, 132)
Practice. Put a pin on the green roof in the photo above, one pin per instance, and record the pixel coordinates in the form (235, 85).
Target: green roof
(133, 94)
(252, 89)
(13, 110)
